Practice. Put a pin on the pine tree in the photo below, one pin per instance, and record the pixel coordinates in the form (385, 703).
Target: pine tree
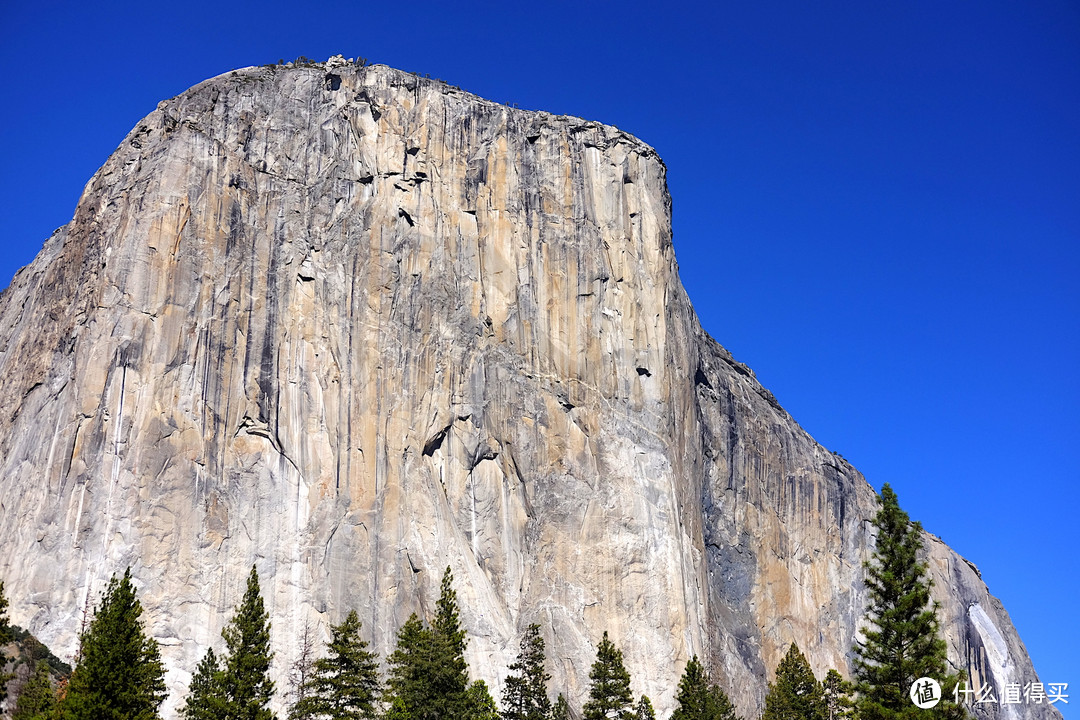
(836, 694)
(699, 699)
(206, 697)
(428, 673)
(451, 671)
(345, 684)
(525, 694)
(37, 699)
(479, 703)
(5, 637)
(561, 711)
(796, 693)
(408, 686)
(904, 641)
(609, 692)
(244, 680)
(644, 709)
(397, 711)
(119, 675)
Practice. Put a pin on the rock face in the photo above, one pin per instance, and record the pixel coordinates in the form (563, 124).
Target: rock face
(354, 326)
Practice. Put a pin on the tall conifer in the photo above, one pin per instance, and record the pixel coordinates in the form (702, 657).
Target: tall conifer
(37, 699)
(345, 684)
(245, 678)
(609, 692)
(836, 693)
(525, 695)
(903, 640)
(428, 677)
(561, 710)
(700, 699)
(796, 693)
(479, 703)
(119, 675)
(5, 638)
(206, 696)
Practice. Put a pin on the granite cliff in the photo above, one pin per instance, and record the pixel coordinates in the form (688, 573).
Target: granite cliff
(354, 326)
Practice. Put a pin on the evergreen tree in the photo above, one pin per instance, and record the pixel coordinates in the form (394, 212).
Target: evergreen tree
(836, 694)
(479, 703)
(397, 711)
(206, 697)
(37, 700)
(345, 684)
(451, 671)
(525, 694)
(428, 673)
(561, 711)
(904, 641)
(796, 693)
(644, 709)
(408, 686)
(119, 675)
(609, 692)
(244, 680)
(5, 637)
(699, 699)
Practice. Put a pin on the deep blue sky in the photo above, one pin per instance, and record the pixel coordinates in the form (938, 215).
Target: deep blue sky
(876, 207)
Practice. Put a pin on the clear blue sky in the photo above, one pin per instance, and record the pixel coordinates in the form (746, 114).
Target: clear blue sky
(876, 206)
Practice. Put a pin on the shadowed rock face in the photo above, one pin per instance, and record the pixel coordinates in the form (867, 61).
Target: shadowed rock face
(355, 326)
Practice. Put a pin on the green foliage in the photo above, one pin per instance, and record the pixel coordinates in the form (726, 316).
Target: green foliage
(408, 683)
(699, 699)
(796, 693)
(32, 650)
(6, 636)
(397, 711)
(345, 684)
(561, 711)
(479, 703)
(836, 694)
(525, 693)
(119, 675)
(206, 698)
(903, 642)
(428, 673)
(244, 681)
(37, 700)
(609, 691)
(644, 709)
